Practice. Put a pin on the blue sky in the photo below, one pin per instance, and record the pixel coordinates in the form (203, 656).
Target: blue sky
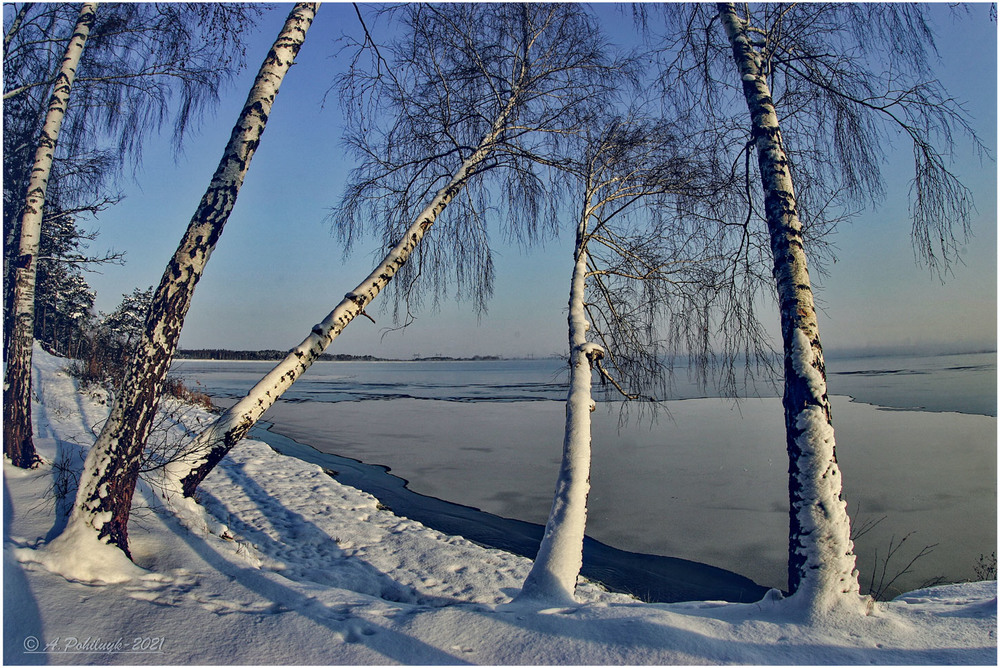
(278, 269)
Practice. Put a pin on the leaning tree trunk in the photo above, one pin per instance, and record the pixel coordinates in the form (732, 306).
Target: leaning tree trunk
(557, 565)
(111, 470)
(820, 552)
(18, 444)
(186, 473)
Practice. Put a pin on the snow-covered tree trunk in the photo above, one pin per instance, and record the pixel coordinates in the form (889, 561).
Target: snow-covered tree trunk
(557, 565)
(821, 561)
(110, 473)
(187, 472)
(18, 443)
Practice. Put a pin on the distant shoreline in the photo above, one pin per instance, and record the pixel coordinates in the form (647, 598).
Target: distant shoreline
(222, 355)
(271, 355)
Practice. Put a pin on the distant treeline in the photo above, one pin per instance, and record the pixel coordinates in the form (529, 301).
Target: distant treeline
(275, 355)
(444, 358)
(262, 355)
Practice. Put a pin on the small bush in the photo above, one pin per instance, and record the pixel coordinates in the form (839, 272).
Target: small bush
(104, 366)
(986, 567)
(175, 387)
(88, 371)
(102, 363)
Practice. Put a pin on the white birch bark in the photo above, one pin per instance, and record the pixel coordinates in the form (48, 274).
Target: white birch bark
(185, 473)
(557, 565)
(821, 559)
(111, 470)
(15, 26)
(18, 443)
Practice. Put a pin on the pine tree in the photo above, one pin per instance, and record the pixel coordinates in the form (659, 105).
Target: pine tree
(125, 324)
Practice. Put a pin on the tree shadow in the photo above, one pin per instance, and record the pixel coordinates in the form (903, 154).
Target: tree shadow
(577, 638)
(63, 470)
(306, 552)
(23, 627)
(337, 618)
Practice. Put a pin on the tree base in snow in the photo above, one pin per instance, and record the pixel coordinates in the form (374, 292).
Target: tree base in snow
(78, 555)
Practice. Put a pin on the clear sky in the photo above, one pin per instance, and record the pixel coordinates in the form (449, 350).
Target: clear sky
(278, 269)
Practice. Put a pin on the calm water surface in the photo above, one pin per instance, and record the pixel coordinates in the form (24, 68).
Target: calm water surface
(706, 482)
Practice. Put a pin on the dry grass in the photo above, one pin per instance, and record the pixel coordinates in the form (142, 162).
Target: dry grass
(175, 387)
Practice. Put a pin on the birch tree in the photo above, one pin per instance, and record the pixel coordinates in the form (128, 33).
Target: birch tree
(638, 269)
(110, 472)
(137, 57)
(463, 109)
(822, 88)
(821, 554)
(18, 443)
(214, 443)
(146, 65)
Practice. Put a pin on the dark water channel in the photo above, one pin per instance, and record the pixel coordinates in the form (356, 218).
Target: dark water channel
(648, 577)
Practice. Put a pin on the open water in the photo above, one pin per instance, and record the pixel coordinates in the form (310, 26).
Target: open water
(705, 483)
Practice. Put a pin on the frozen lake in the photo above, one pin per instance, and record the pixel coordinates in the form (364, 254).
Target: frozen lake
(706, 481)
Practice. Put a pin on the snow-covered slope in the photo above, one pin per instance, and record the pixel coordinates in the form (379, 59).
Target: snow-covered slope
(290, 567)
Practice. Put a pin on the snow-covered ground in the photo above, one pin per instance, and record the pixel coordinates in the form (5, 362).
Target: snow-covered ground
(299, 569)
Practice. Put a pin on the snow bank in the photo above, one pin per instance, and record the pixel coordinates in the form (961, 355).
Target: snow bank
(313, 572)
(77, 554)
